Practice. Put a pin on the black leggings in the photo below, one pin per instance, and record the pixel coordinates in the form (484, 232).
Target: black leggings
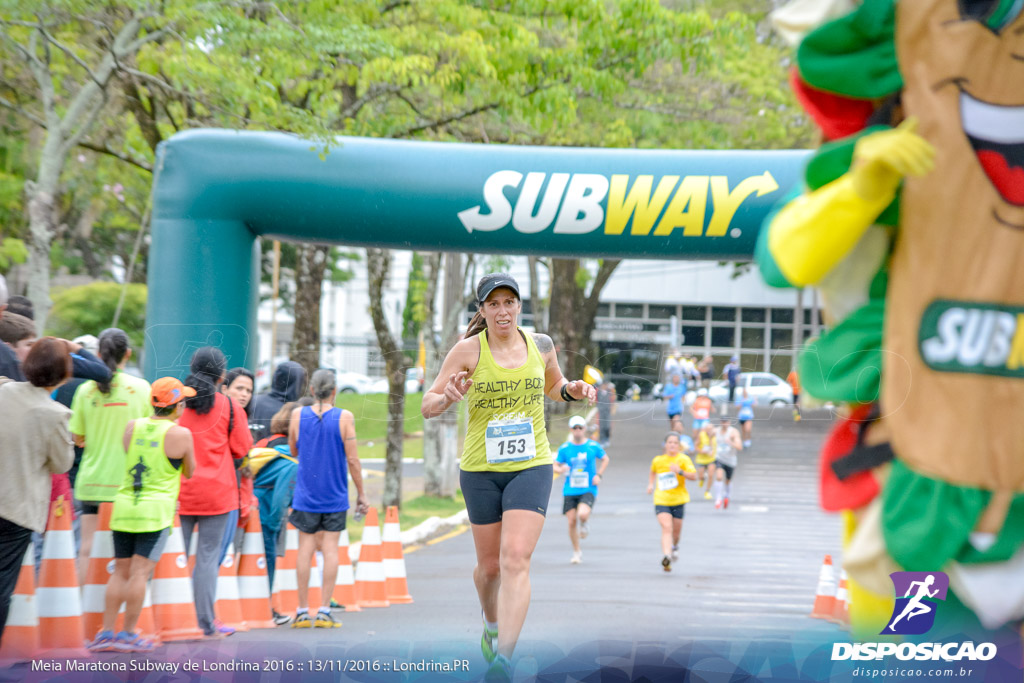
(14, 540)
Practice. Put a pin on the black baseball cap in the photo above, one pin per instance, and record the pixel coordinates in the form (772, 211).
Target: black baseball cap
(489, 283)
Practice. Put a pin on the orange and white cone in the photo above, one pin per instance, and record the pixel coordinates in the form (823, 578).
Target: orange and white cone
(371, 590)
(286, 583)
(61, 632)
(227, 607)
(99, 571)
(21, 635)
(841, 611)
(345, 586)
(173, 603)
(825, 594)
(394, 560)
(253, 586)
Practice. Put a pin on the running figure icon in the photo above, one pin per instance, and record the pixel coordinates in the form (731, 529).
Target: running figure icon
(915, 607)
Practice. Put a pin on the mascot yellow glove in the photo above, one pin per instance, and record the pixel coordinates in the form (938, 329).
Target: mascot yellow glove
(811, 234)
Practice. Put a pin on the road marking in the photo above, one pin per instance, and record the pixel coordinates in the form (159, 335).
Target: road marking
(450, 534)
(753, 508)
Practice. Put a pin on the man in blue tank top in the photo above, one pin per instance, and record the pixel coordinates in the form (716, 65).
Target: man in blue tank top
(323, 438)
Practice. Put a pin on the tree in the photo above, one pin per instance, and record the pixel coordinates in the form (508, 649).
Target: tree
(413, 312)
(574, 310)
(73, 85)
(88, 309)
(378, 262)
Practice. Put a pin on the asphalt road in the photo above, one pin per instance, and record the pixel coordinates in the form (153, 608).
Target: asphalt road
(745, 574)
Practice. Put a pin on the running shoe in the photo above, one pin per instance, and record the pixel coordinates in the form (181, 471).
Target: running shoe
(500, 670)
(126, 641)
(280, 619)
(584, 529)
(746, 444)
(488, 643)
(707, 495)
(222, 629)
(666, 563)
(325, 620)
(302, 621)
(675, 553)
(335, 604)
(103, 642)
(718, 504)
(576, 558)
(725, 503)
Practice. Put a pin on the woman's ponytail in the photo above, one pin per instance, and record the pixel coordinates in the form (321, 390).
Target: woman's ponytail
(113, 347)
(207, 368)
(477, 324)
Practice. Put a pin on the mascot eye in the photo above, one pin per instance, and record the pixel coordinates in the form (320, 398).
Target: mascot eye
(996, 14)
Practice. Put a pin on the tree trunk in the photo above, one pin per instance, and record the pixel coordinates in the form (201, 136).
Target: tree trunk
(309, 277)
(378, 262)
(573, 311)
(41, 196)
(537, 301)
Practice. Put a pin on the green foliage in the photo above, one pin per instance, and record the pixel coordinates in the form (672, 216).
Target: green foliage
(371, 414)
(413, 313)
(89, 309)
(12, 250)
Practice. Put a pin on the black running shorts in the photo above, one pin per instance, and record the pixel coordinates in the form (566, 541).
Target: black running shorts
(489, 494)
(677, 511)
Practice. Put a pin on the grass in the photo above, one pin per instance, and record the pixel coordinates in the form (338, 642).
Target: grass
(413, 512)
(371, 413)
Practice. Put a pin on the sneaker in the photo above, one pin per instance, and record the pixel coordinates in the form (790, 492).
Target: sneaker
(675, 553)
(500, 670)
(718, 504)
(280, 619)
(576, 558)
(335, 604)
(666, 563)
(325, 620)
(126, 641)
(488, 644)
(725, 503)
(746, 444)
(103, 642)
(302, 621)
(221, 629)
(584, 529)
(707, 495)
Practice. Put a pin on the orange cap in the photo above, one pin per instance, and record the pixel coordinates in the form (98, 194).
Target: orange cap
(167, 391)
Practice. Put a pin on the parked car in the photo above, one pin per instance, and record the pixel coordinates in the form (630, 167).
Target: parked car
(765, 387)
(356, 383)
(413, 382)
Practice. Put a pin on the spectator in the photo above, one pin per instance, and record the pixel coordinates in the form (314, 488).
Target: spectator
(18, 332)
(323, 438)
(159, 454)
(221, 438)
(288, 385)
(9, 365)
(605, 408)
(99, 413)
(238, 384)
(35, 443)
(21, 305)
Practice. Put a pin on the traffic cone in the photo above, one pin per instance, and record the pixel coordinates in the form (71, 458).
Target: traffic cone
(253, 587)
(825, 595)
(286, 583)
(101, 568)
(173, 603)
(61, 632)
(21, 635)
(371, 590)
(345, 586)
(841, 611)
(227, 607)
(394, 561)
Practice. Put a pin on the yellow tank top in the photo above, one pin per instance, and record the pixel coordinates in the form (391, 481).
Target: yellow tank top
(506, 430)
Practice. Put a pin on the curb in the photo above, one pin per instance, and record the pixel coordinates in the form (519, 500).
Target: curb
(425, 529)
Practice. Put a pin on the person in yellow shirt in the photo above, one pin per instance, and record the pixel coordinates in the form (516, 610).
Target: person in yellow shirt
(668, 474)
(706, 446)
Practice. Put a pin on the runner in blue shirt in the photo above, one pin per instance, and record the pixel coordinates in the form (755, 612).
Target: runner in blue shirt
(583, 461)
(673, 392)
(746, 416)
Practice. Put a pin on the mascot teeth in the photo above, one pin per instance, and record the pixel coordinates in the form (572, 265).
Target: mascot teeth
(992, 122)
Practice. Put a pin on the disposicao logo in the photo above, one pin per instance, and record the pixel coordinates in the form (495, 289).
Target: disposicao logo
(914, 613)
(918, 595)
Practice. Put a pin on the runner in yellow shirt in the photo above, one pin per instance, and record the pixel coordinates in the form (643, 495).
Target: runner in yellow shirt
(707, 447)
(668, 474)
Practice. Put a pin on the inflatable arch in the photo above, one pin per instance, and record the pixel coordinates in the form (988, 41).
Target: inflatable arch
(216, 191)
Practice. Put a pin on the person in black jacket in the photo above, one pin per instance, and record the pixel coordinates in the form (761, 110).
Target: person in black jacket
(9, 365)
(288, 385)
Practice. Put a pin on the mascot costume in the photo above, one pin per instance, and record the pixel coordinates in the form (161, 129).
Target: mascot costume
(911, 224)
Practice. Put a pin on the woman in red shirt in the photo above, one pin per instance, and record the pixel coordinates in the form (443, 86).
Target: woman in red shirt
(211, 494)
